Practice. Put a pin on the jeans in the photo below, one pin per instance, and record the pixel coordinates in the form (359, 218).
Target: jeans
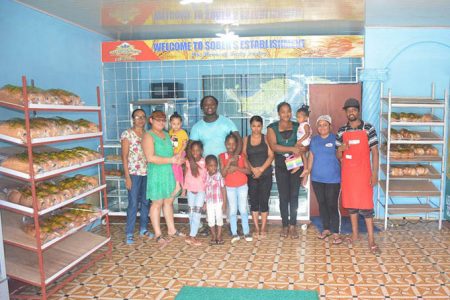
(327, 195)
(237, 198)
(195, 202)
(288, 190)
(137, 196)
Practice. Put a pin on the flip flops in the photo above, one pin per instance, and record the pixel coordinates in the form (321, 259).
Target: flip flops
(374, 249)
(161, 241)
(337, 240)
(177, 234)
(192, 241)
(324, 236)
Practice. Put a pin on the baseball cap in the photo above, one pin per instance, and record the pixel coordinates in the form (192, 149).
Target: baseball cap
(324, 118)
(351, 102)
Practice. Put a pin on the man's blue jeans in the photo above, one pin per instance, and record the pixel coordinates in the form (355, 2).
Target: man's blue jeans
(137, 196)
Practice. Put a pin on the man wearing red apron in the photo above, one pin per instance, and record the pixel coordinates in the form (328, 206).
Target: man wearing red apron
(355, 142)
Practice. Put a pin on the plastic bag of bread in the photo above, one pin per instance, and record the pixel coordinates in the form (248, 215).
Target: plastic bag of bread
(14, 94)
(47, 161)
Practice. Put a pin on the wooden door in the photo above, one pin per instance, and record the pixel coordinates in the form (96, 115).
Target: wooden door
(328, 99)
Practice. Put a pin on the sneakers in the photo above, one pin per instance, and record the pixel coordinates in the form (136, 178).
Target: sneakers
(129, 240)
(235, 238)
(146, 233)
(248, 237)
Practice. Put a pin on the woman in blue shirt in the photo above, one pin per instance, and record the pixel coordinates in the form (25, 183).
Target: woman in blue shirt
(326, 178)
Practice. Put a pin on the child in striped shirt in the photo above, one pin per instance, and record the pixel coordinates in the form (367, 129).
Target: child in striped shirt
(215, 197)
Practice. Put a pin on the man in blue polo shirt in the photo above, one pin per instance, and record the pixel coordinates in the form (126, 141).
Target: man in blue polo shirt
(213, 129)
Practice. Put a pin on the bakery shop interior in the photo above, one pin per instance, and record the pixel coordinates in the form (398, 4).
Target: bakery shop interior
(88, 88)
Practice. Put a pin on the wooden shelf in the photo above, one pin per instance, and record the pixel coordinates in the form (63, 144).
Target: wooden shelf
(29, 210)
(410, 188)
(433, 173)
(49, 107)
(415, 102)
(23, 264)
(400, 209)
(14, 235)
(426, 137)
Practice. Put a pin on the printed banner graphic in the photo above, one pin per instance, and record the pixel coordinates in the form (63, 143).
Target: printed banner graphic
(238, 48)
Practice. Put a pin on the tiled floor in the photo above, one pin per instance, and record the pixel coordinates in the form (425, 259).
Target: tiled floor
(414, 264)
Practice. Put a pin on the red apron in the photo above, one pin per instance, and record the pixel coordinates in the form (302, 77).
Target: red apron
(356, 171)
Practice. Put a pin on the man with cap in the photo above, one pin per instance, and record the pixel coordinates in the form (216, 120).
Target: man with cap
(326, 178)
(355, 142)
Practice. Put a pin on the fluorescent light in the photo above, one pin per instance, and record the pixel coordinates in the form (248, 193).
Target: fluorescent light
(185, 2)
(229, 35)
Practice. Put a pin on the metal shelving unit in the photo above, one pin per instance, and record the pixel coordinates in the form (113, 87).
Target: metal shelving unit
(40, 262)
(424, 193)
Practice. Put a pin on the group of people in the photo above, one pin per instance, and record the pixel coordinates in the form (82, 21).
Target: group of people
(219, 171)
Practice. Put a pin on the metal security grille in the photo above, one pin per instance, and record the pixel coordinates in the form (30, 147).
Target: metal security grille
(244, 87)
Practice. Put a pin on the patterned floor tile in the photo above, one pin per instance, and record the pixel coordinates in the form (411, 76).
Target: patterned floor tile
(415, 262)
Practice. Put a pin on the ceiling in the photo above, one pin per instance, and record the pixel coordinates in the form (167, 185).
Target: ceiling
(151, 19)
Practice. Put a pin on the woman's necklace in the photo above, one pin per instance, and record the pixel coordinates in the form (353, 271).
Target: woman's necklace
(286, 140)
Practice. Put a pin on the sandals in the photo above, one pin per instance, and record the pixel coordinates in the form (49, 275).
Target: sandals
(192, 241)
(161, 241)
(177, 234)
(129, 240)
(337, 240)
(374, 249)
(212, 242)
(220, 242)
(324, 236)
(348, 240)
(293, 232)
(146, 233)
(284, 232)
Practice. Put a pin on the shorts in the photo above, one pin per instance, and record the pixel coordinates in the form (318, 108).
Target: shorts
(214, 214)
(366, 213)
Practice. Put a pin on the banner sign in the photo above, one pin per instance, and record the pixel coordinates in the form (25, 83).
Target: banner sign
(142, 13)
(236, 48)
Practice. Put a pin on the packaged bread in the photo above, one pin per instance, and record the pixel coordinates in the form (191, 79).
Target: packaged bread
(50, 193)
(61, 221)
(13, 94)
(48, 161)
(46, 127)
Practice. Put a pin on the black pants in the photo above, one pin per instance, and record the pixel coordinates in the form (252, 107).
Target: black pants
(327, 195)
(259, 193)
(288, 190)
